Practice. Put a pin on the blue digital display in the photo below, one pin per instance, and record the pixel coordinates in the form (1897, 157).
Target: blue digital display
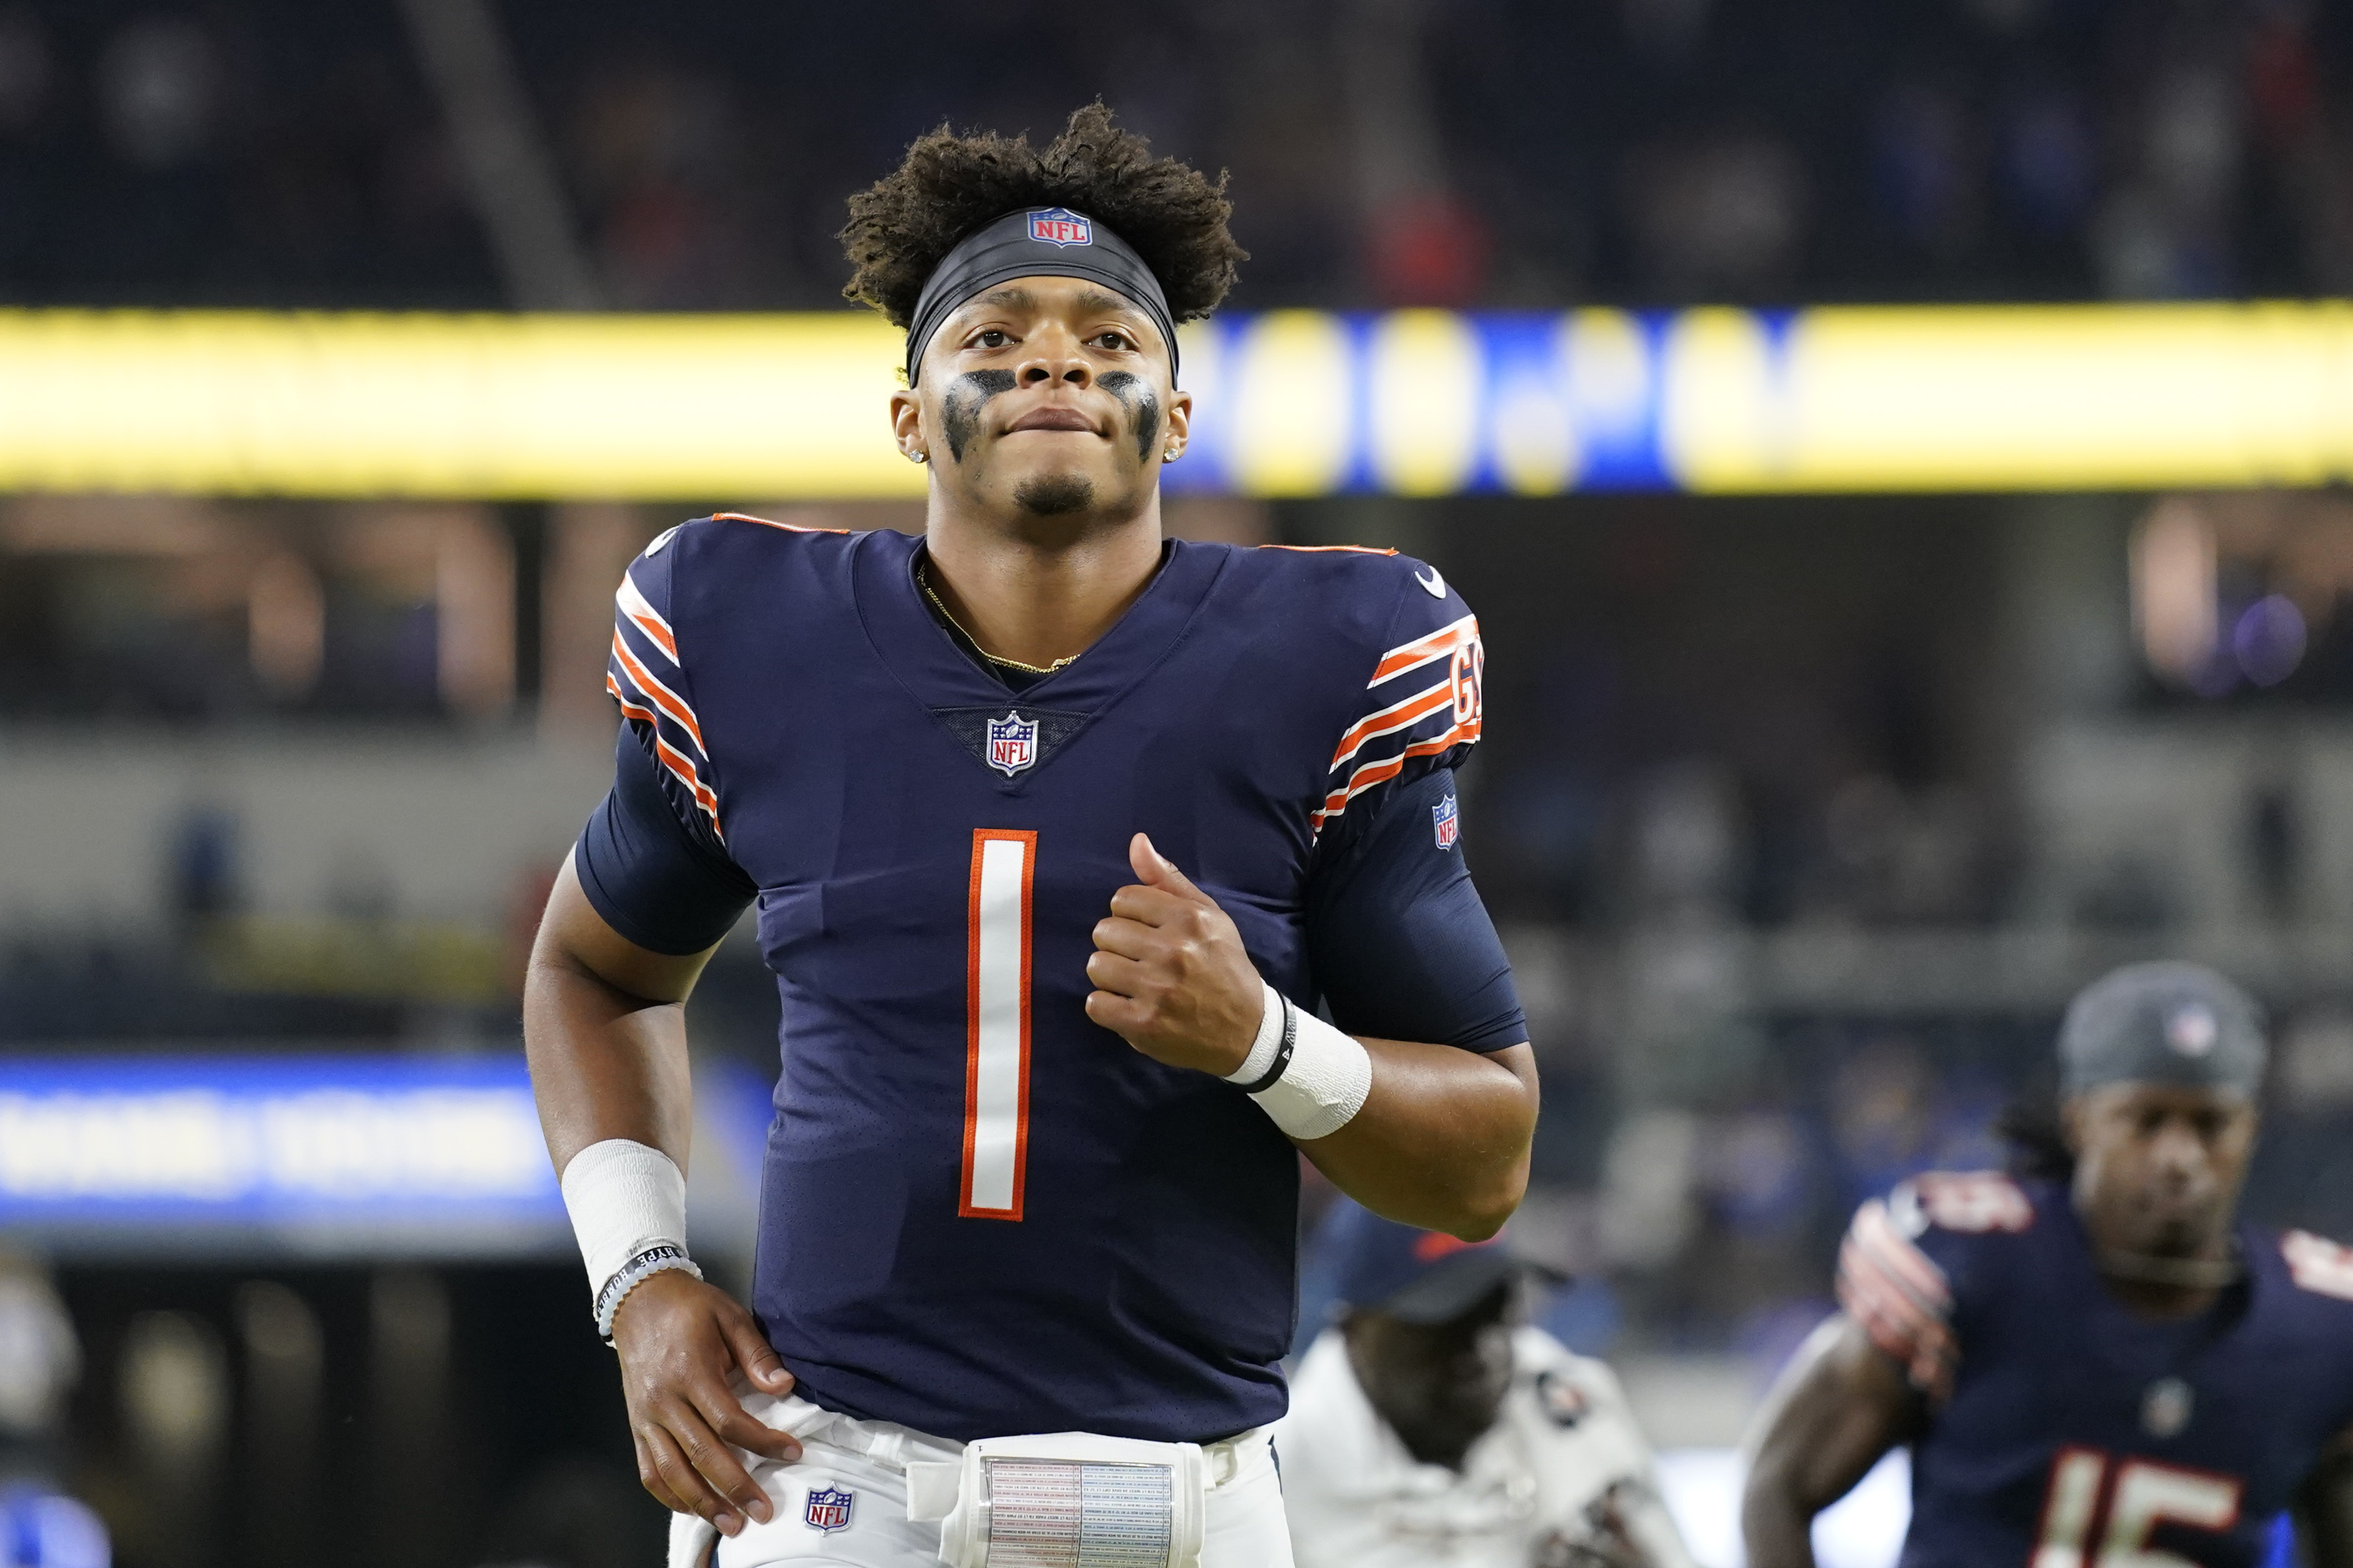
(1428, 403)
(313, 1153)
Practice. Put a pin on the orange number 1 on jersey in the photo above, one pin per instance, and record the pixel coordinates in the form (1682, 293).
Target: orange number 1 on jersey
(996, 1027)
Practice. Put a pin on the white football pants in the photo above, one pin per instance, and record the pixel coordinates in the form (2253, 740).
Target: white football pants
(1243, 1525)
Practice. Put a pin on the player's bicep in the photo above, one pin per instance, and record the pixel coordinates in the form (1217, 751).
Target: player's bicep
(1399, 941)
(574, 938)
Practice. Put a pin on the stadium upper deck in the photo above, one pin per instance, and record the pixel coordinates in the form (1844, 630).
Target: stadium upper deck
(1488, 153)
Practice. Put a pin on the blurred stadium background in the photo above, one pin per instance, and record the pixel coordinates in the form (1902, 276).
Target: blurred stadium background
(1916, 577)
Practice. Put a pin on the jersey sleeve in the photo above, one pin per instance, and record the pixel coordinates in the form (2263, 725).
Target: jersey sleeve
(2318, 1265)
(646, 676)
(1908, 1261)
(653, 859)
(1398, 940)
(649, 874)
(1422, 707)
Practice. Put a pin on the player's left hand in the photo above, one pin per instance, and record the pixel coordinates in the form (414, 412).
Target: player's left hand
(1170, 973)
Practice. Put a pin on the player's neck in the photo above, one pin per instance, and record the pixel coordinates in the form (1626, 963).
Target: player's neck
(2157, 1286)
(2147, 1298)
(1040, 589)
(2165, 1284)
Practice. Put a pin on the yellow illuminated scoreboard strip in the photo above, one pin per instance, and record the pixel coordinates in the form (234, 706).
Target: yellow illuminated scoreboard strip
(1291, 403)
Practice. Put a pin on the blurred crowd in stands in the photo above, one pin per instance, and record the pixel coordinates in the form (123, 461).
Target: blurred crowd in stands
(1382, 152)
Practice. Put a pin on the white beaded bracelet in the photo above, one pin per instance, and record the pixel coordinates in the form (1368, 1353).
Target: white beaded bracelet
(653, 1260)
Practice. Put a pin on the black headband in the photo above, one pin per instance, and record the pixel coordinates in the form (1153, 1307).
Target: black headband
(1035, 242)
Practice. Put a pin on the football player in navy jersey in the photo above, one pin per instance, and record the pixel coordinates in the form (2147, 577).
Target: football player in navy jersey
(2111, 1372)
(1103, 875)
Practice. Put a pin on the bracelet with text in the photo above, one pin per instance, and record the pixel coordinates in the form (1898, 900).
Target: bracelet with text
(653, 1260)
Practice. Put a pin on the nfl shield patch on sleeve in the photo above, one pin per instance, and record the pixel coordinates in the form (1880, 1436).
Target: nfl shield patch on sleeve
(1446, 822)
(829, 1509)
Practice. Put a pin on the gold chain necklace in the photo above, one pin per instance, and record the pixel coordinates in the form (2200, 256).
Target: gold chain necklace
(924, 577)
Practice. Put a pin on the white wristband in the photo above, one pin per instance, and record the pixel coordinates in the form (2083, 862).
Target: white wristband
(624, 1197)
(1322, 1076)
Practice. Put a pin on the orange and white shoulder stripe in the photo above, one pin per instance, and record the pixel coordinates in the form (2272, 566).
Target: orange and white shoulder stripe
(677, 763)
(772, 522)
(1440, 644)
(638, 611)
(1877, 1237)
(672, 727)
(1899, 1297)
(1372, 774)
(638, 711)
(1402, 714)
(1448, 695)
(681, 768)
(649, 687)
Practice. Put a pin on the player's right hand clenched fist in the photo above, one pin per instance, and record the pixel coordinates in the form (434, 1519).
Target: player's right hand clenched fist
(678, 1339)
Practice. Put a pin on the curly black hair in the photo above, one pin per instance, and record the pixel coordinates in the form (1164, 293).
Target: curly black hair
(2036, 1139)
(902, 226)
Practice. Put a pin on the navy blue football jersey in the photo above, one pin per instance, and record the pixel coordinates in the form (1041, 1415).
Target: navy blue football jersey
(2062, 1430)
(981, 1212)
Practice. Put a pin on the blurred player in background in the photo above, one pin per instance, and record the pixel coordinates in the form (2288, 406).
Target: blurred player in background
(1430, 1427)
(40, 1360)
(2107, 1371)
(1035, 1162)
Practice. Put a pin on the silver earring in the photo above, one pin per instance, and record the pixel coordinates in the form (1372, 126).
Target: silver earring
(919, 457)
(1169, 456)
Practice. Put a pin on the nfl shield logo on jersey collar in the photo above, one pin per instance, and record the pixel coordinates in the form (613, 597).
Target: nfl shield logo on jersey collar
(829, 1509)
(1012, 742)
(1446, 822)
(1061, 227)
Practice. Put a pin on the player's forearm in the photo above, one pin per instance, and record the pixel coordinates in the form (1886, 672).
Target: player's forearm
(605, 1061)
(1777, 1528)
(1837, 1407)
(603, 1064)
(1442, 1139)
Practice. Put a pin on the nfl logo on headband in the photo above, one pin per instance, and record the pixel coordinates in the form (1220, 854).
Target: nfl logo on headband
(1060, 226)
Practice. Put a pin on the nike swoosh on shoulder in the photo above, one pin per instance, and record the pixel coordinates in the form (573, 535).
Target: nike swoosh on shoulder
(1434, 584)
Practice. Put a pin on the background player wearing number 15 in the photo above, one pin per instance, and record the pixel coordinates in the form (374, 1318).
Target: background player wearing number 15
(964, 934)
